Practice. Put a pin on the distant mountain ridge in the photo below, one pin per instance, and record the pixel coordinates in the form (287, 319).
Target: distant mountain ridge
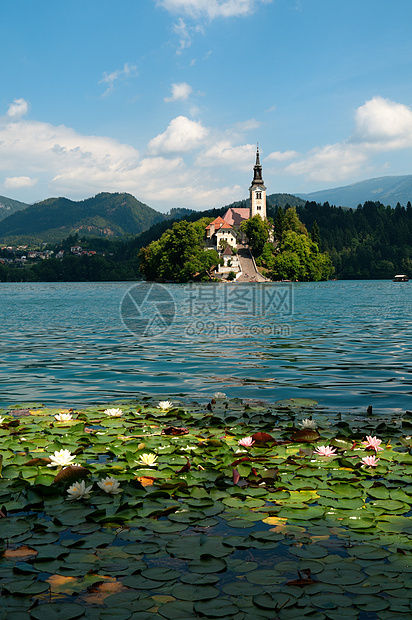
(104, 215)
(8, 206)
(387, 190)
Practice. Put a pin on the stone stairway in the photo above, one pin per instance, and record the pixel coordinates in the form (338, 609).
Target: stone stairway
(249, 272)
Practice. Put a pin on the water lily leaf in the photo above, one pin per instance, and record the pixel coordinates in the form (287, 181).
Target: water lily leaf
(217, 608)
(160, 573)
(305, 435)
(57, 611)
(197, 546)
(20, 553)
(263, 438)
(207, 565)
(275, 600)
(194, 593)
(176, 610)
(71, 473)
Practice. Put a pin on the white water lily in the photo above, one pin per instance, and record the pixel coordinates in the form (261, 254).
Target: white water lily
(113, 413)
(219, 395)
(109, 485)
(165, 405)
(147, 459)
(63, 417)
(78, 490)
(308, 423)
(184, 448)
(2, 420)
(61, 458)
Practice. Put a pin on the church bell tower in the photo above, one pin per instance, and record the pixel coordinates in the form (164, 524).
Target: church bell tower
(257, 191)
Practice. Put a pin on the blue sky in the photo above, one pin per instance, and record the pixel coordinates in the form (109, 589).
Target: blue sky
(166, 99)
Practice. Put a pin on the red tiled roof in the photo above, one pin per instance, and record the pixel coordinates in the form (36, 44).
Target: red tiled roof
(235, 215)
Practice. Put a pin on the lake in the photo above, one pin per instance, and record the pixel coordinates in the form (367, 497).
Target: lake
(346, 344)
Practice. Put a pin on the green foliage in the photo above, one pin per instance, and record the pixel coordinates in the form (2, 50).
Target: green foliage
(370, 242)
(257, 231)
(295, 256)
(299, 259)
(179, 254)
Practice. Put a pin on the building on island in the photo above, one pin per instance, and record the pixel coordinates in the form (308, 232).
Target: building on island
(225, 229)
(219, 233)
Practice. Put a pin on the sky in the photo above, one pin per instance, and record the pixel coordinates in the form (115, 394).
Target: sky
(167, 99)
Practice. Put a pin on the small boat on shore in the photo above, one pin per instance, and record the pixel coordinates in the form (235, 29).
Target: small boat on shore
(401, 278)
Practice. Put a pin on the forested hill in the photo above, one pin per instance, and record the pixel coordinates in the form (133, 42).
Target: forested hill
(372, 241)
(8, 206)
(104, 215)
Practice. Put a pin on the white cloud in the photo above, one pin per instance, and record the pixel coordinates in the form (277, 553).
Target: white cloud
(248, 125)
(110, 78)
(281, 155)
(19, 182)
(185, 33)
(383, 124)
(330, 163)
(18, 108)
(57, 160)
(182, 135)
(223, 153)
(180, 92)
(211, 8)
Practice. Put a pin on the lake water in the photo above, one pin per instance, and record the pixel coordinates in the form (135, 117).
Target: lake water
(346, 344)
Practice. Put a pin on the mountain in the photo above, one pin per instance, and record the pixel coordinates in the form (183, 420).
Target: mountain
(9, 206)
(104, 215)
(387, 190)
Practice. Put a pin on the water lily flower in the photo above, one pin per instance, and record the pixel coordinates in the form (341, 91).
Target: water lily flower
(1, 419)
(78, 490)
(61, 458)
(372, 443)
(219, 395)
(113, 413)
(63, 417)
(325, 451)
(246, 442)
(109, 485)
(147, 459)
(308, 423)
(370, 461)
(165, 405)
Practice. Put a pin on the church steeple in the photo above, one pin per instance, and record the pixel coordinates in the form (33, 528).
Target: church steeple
(257, 170)
(257, 190)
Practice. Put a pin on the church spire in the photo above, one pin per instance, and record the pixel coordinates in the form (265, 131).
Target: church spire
(257, 170)
(257, 190)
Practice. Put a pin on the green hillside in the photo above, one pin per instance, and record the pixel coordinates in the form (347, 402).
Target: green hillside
(8, 206)
(104, 215)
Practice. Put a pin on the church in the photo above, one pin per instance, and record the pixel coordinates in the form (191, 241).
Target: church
(225, 229)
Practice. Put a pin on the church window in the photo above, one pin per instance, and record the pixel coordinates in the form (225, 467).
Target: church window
(258, 195)
(259, 208)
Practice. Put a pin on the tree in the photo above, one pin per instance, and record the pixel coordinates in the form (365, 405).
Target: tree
(279, 225)
(257, 231)
(179, 254)
(315, 234)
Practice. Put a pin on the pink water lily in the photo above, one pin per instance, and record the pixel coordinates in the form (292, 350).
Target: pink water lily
(370, 461)
(372, 443)
(246, 442)
(325, 451)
